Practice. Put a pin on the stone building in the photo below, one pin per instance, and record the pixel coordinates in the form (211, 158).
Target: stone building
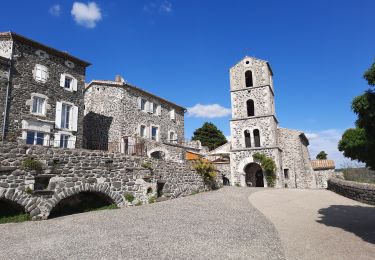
(124, 118)
(254, 129)
(41, 93)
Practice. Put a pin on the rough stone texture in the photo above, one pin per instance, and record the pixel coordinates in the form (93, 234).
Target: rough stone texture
(112, 113)
(322, 177)
(23, 84)
(363, 192)
(74, 171)
(296, 158)
(288, 148)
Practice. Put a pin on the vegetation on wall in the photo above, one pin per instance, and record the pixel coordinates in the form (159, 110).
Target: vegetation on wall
(268, 166)
(322, 155)
(359, 143)
(207, 170)
(31, 164)
(209, 135)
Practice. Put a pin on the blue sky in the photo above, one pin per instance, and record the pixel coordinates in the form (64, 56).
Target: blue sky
(182, 51)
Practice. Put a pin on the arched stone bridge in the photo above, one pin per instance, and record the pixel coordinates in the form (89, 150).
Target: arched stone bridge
(66, 173)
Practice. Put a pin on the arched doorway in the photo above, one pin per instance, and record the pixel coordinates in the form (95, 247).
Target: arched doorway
(160, 155)
(254, 175)
(81, 202)
(10, 208)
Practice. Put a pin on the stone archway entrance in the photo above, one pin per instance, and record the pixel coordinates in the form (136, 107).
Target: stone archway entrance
(254, 175)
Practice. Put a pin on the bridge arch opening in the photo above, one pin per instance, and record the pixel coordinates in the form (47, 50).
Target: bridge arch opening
(254, 176)
(9, 209)
(81, 202)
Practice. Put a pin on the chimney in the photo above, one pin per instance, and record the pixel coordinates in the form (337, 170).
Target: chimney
(119, 78)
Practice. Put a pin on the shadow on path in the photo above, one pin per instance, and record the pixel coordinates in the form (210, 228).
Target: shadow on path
(358, 220)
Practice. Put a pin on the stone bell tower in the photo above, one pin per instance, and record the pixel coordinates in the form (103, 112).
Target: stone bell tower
(253, 124)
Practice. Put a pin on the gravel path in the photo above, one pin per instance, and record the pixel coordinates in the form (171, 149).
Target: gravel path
(213, 225)
(319, 224)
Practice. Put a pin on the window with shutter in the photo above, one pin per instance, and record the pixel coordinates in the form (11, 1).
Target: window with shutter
(172, 114)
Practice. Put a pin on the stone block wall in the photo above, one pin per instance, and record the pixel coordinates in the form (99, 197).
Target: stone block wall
(362, 192)
(73, 171)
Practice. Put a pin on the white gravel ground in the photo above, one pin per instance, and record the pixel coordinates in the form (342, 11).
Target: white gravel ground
(319, 224)
(213, 225)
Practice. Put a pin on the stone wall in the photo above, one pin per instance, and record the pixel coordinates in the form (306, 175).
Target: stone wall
(362, 192)
(295, 159)
(73, 171)
(4, 69)
(322, 176)
(23, 85)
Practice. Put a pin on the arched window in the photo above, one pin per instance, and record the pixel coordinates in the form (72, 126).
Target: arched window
(250, 107)
(256, 138)
(249, 78)
(247, 139)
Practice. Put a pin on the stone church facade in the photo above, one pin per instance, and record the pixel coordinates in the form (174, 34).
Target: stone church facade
(254, 129)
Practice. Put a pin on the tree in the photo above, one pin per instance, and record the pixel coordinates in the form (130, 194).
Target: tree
(322, 155)
(209, 135)
(359, 143)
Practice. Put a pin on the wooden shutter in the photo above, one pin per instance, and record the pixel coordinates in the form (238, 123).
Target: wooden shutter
(151, 107)
(173, 116)
(158, 110)
(139, 103)
(56, 141)
(58, 114)
(74, 122)
(62, 80)
(74, 84)
(72, 142)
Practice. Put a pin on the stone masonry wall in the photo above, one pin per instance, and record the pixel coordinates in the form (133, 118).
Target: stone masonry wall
(295, 158)
(362, 192)
(74, 171)
(23, 84)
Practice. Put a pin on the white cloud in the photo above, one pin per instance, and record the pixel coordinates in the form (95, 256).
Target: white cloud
(327, 140)
(55, 10)
(158, 6)
(166, 7)
(86, 15)
(208, 111)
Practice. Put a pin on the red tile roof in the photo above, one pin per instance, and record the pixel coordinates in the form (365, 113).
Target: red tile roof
(322, 164)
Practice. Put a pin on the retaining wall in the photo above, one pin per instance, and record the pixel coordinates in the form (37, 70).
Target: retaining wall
(362, 192)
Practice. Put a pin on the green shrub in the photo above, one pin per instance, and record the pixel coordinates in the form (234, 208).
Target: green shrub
(147, 165)
(129, 197)
(151, 200)
(139, 203)
(28, 190)
(207, 170)
(31, 164)
(149, 190)
(112, 206)
(238, 184)
(268, 166)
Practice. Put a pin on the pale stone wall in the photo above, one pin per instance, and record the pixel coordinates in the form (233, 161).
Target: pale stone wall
(322, 177)
(295, 158)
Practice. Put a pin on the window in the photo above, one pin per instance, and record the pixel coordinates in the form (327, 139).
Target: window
(40, 73)
(142, 131)
(256, 138)
(154, 133)
(286, 173)
(172, 114)
(154, 109)
(34, 138)
(172, 137)
(247, 139)
(38, 105)
(143, 104)
(65, 116)
(249, 78)
(68, 82)
(250, 107)
(64, 140)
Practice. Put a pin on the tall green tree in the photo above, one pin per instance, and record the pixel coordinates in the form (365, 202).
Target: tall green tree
(209, 135)
(359, 143)
(322, 155)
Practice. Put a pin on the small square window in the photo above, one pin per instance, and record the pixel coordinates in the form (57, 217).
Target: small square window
(143, 104)
(286, 173)
(38, 105)
(64, 140)
(34, 138)
(68, 82)
(40, 73)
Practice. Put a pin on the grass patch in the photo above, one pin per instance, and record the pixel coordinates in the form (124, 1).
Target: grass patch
(129, 197)
(359, 175)
(151, 200)
(112, 206)
(139, 203)
(15, 218)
